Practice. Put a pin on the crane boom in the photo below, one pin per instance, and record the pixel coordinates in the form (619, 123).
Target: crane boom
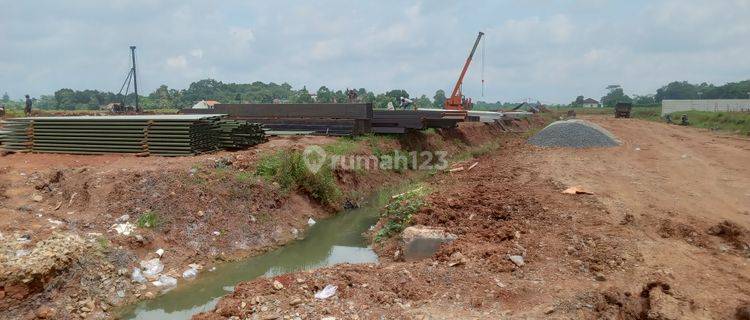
(455, 101)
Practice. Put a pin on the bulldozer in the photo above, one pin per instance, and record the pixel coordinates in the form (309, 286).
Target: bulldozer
(622, 109)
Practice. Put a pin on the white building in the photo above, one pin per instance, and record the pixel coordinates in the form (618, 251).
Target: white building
(670, 106)
(590, 103)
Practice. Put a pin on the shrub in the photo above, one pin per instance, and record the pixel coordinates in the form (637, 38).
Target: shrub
(149, 219)
(399, 211)
(287, 168)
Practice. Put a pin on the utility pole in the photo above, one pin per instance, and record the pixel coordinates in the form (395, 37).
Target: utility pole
(135, 80)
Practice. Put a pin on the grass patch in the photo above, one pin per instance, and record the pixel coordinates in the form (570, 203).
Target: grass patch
(399, 211)
(734, 122)
(288, 169)
(149, 219)
(342, 146)
(243, 176)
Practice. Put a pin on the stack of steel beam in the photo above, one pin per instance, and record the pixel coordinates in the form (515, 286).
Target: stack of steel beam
(163, 135)
(337, 119)
(401, 121)
(239, 134)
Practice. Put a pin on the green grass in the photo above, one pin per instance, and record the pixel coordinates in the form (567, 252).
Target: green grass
(288, 169)
(734, 122)
(149, 219)
(399, 212)
(342, 146)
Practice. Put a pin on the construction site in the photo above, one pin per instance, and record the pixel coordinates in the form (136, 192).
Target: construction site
(346, 210)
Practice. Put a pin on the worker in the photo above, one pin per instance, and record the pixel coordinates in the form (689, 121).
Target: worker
(404, 103)
(27, 109)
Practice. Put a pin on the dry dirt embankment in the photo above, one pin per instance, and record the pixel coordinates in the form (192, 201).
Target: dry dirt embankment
(110, 213)
(664, 236)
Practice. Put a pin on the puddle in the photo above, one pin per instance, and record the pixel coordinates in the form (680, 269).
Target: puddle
(330, 241)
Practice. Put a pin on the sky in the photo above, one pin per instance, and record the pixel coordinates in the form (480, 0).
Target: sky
(545, 50)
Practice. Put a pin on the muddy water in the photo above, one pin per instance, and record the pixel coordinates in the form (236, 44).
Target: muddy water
(330, 241)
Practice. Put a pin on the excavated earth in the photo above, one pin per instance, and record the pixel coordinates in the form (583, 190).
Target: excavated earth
(72, 227)
(663, 236)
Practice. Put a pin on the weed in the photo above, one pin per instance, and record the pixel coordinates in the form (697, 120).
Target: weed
(287, 168)
(242, 176)
(103, 243)
(399, 211)
(149, 219)
(342, 146)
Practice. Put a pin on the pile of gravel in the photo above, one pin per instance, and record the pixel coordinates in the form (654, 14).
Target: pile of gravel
(574, 133)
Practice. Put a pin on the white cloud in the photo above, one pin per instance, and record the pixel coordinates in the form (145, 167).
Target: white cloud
(197, 53)
(177, 62)
(242, 35)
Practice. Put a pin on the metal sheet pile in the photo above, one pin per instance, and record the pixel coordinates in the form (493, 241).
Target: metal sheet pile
(162, 135)
(337, 119)
(401, 121)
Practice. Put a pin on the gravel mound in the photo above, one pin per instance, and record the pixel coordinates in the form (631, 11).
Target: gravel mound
(574, 133)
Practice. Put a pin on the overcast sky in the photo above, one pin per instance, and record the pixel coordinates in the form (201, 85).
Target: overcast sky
(546, 50)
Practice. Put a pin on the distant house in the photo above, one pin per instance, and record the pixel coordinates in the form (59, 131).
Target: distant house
(205, 104)
(590, 103)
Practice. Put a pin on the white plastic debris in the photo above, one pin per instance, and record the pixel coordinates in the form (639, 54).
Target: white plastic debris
(190, 273)
(124, 228)
(311, 222)
(327, 292)
(165, 282)
(517, 260)
(160, 252)
(216, 233)
(152, 267)
(137, 276)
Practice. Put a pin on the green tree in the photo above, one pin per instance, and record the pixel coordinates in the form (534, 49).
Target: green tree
(615, 95)
(423, 102)
(324, 95)
(644, 100)
(6, 98)
(303, 96)
(438, 101)
(578, 101)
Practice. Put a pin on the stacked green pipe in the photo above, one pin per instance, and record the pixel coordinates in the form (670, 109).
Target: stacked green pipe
(162, 135)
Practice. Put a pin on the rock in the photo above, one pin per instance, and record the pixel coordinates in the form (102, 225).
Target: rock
(149, 295)
(123, 218)
(549, 310)
(600, 276)
(200, 213)
(328, 318)
(421, 242)
(160, 252)
(517, 260)
(295, 302)
(37, 198)
(277, 285)
(311, 221)
(45, 312)
(664, 306)
(456, 259)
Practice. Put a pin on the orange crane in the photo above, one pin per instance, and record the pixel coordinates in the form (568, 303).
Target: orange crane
(457, 101)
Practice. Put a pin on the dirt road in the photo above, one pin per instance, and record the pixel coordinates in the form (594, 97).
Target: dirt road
(677, 183)
(664, 236)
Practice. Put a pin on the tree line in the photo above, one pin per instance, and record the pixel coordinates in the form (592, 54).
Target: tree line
(209, 89)
(677, 90)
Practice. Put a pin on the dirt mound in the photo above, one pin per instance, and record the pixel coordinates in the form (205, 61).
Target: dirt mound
(656, 300)
(574, 134)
